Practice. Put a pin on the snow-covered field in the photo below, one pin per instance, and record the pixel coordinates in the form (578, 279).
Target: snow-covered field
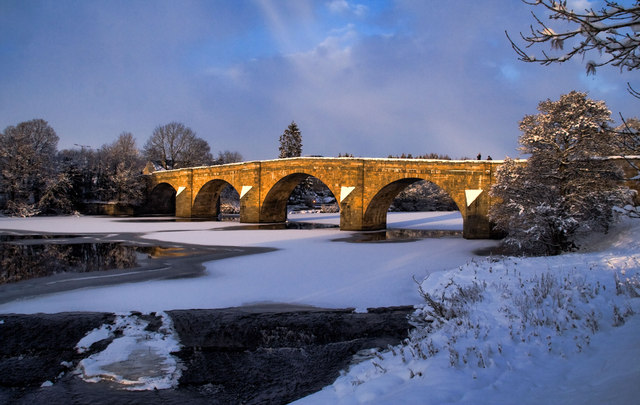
(561, 329)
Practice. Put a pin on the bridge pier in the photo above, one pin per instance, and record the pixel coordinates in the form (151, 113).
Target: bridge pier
(184, 195)
(475, 217)
(352, 211)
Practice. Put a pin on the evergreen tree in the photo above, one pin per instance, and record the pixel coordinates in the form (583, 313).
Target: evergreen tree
(291, 142)
(567, 185)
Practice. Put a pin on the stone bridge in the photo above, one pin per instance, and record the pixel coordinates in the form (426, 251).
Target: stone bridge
(363, 187)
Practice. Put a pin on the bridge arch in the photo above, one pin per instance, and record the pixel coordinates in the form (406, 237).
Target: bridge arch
(375, 214)
(207, 201)
(274, 205)
(162, 199)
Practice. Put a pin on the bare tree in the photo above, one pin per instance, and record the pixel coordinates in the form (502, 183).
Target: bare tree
(628, 141)
(613, 32)
(123, 150)
(27, 154)
(174, 146)
(630, 136)
(121, 170)
(196, 153)
(229, 157)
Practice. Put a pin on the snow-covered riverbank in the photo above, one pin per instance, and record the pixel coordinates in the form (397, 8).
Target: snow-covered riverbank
(552, 330)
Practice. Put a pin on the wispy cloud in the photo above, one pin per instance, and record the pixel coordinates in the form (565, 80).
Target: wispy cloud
(343, 6)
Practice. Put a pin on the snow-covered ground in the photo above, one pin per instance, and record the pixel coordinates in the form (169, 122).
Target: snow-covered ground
(556, 330)
(562, 329)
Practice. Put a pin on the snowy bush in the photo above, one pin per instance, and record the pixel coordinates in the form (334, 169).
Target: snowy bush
(526, 310)
(21, 209)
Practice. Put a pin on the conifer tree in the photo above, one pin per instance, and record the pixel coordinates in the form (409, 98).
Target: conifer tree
(291, 142)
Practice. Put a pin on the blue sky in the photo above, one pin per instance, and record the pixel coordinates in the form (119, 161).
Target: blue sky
(371, 78)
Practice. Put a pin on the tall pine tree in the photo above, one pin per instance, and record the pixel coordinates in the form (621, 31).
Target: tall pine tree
(291, 142)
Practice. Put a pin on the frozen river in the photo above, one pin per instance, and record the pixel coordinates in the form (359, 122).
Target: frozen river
(316, 267)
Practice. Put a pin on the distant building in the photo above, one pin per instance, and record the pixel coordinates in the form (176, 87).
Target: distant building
(152, 166)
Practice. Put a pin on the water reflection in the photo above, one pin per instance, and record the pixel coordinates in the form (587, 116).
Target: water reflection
(149, 219)
(398, 235)
(25, 257)
(11, 238)
(281, 225)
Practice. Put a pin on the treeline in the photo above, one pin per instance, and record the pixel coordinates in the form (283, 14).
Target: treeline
(425, 156)
(410, 156)
(37, 178)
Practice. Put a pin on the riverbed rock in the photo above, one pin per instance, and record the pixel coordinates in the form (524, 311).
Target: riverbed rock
(263, 354)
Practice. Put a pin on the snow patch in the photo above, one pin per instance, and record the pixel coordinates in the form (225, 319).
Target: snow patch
(136, 359)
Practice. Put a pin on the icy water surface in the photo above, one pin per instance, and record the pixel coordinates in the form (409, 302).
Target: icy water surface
(24, 257)
(28, 256)
(398, 235)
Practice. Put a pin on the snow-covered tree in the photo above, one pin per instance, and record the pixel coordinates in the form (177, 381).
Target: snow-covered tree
(121, 171)
(56, 197)
(567, 185)
(291, 142)
(175, 146)
(611, 32)
(84, 172)
(27, 153)
(630, 136)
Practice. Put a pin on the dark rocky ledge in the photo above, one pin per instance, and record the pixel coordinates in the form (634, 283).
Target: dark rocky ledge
(263, 354)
